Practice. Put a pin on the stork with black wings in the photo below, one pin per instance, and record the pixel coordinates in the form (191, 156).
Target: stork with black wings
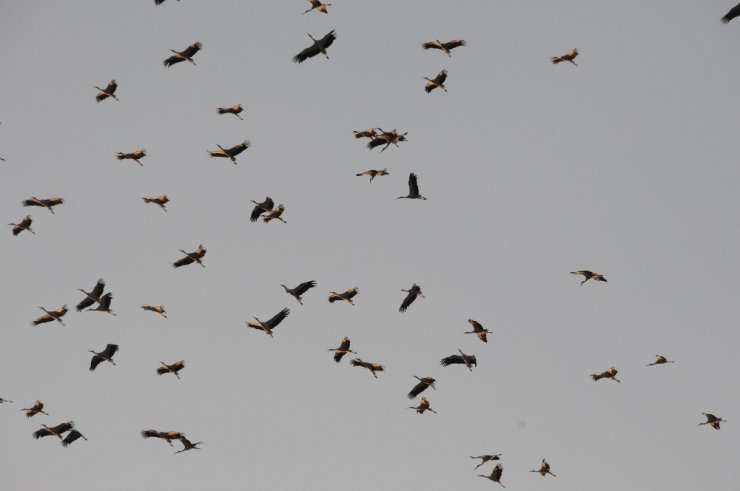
(413, 292)
(589, 275)
(108, 91)
(230, 153)
(610, 373)
(275, 214)
(136, 156)
(235, 110)
(461, 359)
(569, 57)
(188, 445)
(38, 407)
(318, 6)
(173, 369)
(347, 296)
(57, 430)
(191, 257)
(495, 475)
(386, 138)
(271, 324)
(436, 82)
(167, 436)
(544, 469)
(423, 406)
(159, 309)
(319, 46)
(413, 189)
(104, 304)
(25, 224)
(424, 384)
(92, 296)
(444, 47)
(105, 355)
(373, 173)
(712, 420)
(299, 290)
(478, 330)
(486, 458)
(372, 366)
(160, 200)
(660, 360)
(342, 350)
(260, 208)
(185, 55)
(48, 203)
(51, 315)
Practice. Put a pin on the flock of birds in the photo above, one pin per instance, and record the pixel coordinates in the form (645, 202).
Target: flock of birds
(96, 300)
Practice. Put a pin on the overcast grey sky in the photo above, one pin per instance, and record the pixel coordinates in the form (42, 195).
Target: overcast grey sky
(626, 165)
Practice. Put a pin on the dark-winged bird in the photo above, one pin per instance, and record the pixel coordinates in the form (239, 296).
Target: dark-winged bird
(372, 366)
(105, 355)
(235, 110)
(478, 330)
(159, 309)
(160, 200)
(104, 304)
(346, 296)
(712, 421)
(589, 275)
(660, 360)
(423, 384)
(57, 430)
(569, 56)
(188, 445)
(48, 203)
(51, 315)
(71, 437)
(24, 225)
(38, 407)
(173, 369)
(444, 47)
(109, 91)
(495, 475)
(275, 214)
(544, 469)
(136, 156)
(342, 350)
(186, 55)
(271, 324)
(91, 297)
(319, 46)
(608, 373)
(230, 153)
(373, 173)
(299, 290)
(168, 436)
(160, 2)
(486, 458)
(368, 133)
(461, 359)
(436, 82)
(413, 189)
(423, 406)
(734, 12)
(318, 6)
(386, 138)
(260, 208)
(413, 292)
(191, 257)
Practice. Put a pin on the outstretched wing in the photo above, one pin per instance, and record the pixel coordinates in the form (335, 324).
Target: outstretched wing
(431, 45)
(172, 60)
(71, 437)
(277, 318)
(328, 39)
(407, 301)
(418, 389)
(307, 53)
(304, 287)
(413, 185)
(454, 44)
(110, 350)
(96, 360)
(734, 12)
(191, 50)
(451, 360)
(183, 262)
(264, 207)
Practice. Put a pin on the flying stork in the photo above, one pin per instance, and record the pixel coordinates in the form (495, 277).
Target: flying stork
(319, 46)
(185, 55)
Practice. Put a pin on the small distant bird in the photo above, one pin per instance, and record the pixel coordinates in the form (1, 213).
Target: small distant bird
(38, 407)
(486, 458)
(373, 367)
(368, 133)
(185, 55)
(444, 47)
(413, 189)
(319, 46)
(53, 315)
(24, 225)
(346, 296)
(174, 368)
(734, 12)
(136, 156)
(660, 360)
(589, 275)
(436, 82)
(168, 436)
(544, 469)
(92, 296)
(712, 421)
(230, 153)
(495, 474)
(423, 384)
(374, 173)
(109, 91)
(188, 445)
(271, 324)
(318, 6)
(105, 355)
(478, 330)
(191, 257)
(160, 2)
(260, 208)
(155, 308)
(299, 290)
(569, 56)
(160, 200)
(609, 373)
(57, 430)
(386, 138)
(71, 437)
(275, 214)
(48, 203)
(423, 406)
(461, 359)
(236, 109)
(413, 292)
(104, 305)
(342, 350)
(2, 401)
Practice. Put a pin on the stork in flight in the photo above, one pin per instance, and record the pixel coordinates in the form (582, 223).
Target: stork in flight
(712, 421)
(495, 475)
(109, 91)
(342, 350)
(25, 224)
(105, 355)
(373, 173)
(299, 290)
(413, 189)
(608, 373)
(38, 407)
(48, 203)
(160, 200)
(436, 82)
(589, 275)
(318, 6)
(544, 469)
(236, 109)
(191, 257)
(159, 309)
(51, 315)
(569, 56)
(230, 153)
(444, 47)
(319, 46)
(423, 406)
(372, 366)
(478, 330)
(173, 369)
(486, 458)
(660, 360)
(136, 156)
(271, 324)
(413, 292)
(424, 384)
(347, 296)
(185, 55)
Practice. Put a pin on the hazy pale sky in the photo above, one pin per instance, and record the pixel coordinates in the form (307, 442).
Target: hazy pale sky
(626, 165)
